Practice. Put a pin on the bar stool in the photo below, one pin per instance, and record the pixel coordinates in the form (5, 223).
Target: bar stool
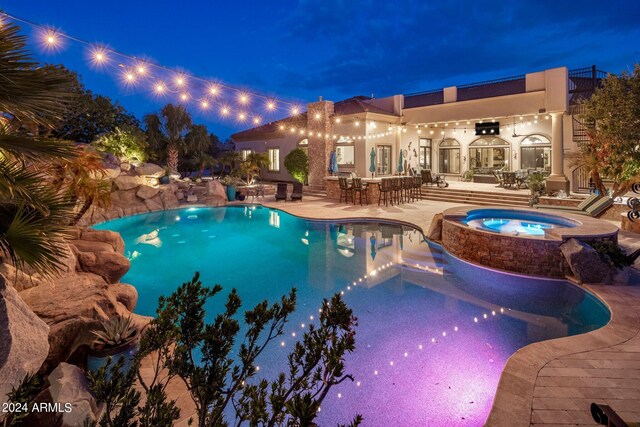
(407, 187)
(417, 187)
(386, 191)
(345, 189)
(358, 189)
(397, 190)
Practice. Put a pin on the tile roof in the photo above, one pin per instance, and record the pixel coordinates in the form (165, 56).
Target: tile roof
(355, 105)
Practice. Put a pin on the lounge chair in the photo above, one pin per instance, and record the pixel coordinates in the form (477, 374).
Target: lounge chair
(580, 207)
(598, 208)
(281, 192)
(509, 179)
(296, 194)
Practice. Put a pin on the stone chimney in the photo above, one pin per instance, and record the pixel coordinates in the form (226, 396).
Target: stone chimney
(319, 123)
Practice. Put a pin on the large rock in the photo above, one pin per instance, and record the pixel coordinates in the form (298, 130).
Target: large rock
(24, 341)
(169, 200)
(75, 305)
(127, 182)
(435, 228)
(154, 204)
(146, 192)
(584, 262)
(69, 385)
(216, 189)
(111, 266)
(150, 169)
(106, 236)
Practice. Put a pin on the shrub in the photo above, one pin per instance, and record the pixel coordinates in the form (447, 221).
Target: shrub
(127, 144)
(297, 163)
(611, 253)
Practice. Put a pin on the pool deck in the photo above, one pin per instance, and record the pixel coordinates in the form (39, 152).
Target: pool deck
(553, 382)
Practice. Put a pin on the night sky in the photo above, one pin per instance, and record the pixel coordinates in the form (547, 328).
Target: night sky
(299, 50)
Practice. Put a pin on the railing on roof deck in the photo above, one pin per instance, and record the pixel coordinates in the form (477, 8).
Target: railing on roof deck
(585, 80)
(491, 88)
(422, 99)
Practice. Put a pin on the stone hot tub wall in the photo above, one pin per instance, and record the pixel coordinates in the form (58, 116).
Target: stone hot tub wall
(517, 254)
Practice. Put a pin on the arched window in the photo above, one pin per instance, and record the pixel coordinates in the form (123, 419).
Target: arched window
(488, 153)
(535, 153)
(449, 156)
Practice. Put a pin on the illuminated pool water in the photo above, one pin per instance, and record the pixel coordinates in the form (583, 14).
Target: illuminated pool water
(515, 222)
(434, 333)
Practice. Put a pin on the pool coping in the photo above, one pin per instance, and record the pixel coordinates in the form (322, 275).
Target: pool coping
(513, 400)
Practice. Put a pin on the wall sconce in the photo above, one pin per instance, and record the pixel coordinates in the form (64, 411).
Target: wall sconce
(464, 159)
(515, 155)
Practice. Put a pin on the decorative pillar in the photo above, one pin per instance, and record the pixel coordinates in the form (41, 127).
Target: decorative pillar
(320, 142)
(557, 180)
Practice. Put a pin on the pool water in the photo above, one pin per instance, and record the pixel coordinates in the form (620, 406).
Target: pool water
(434, 333)
(512, 222)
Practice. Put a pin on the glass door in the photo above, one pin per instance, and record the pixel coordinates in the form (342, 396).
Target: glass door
(383, 159)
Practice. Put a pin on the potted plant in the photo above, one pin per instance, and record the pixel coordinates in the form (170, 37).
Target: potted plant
(117, 338)
(231, 182)
(537, 186)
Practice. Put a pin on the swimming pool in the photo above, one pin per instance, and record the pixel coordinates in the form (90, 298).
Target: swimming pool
(434, 332)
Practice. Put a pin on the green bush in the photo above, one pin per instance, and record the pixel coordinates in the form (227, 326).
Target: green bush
(611, 253)
(297, 163)
(126, 144)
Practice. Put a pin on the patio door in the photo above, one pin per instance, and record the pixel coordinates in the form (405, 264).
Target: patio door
(383, 159)
(424, 152)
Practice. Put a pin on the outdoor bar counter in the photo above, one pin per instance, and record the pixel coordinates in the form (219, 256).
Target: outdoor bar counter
(372, 186)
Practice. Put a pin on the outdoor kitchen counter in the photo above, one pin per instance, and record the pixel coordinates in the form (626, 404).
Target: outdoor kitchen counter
(372, 186)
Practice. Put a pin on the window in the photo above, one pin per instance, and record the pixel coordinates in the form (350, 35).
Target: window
(535, 153)
(383, 159)
(345, 155)
(424, 152)
(449, 156)
(304, 145)
(244, 154)
(274, 159)
(345, 151)
(488, 153)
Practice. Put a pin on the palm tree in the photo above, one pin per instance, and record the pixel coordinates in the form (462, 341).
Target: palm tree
(167, 130)
(82, 180)
(203, 160)
(33, 216)
(228, 159)
(197, 140)
(250, 167)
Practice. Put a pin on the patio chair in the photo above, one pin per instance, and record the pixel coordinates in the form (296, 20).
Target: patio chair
(259, 191)
(598, 208)
(580, 207)
(509, 179)
(281, 191)
(427, 178)
(296, 194)
(386, 190)
(346, 189)
(359, 189)
(498, 176)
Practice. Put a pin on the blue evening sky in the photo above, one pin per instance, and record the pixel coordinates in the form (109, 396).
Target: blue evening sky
(299, 50)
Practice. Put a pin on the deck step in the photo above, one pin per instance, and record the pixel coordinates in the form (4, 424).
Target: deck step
(475, 197)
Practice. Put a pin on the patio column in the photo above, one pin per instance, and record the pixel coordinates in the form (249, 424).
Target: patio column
(319, 123)
(557, 180)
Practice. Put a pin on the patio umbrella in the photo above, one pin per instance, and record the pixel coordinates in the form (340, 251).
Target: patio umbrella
(400, 162)
(333, 163)
(372, 167)
(372, 239)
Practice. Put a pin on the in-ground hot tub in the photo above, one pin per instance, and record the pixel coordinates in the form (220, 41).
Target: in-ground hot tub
(518, 240)
(515, 222)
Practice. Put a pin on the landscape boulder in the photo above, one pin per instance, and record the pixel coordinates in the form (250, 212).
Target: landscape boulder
(72, 307)
(435, 228)
(128, 182)
(24, 341)
(216, 189)
(147, 192)
(584, 262)
(68, 385)
(109, 265)
(150, 169)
